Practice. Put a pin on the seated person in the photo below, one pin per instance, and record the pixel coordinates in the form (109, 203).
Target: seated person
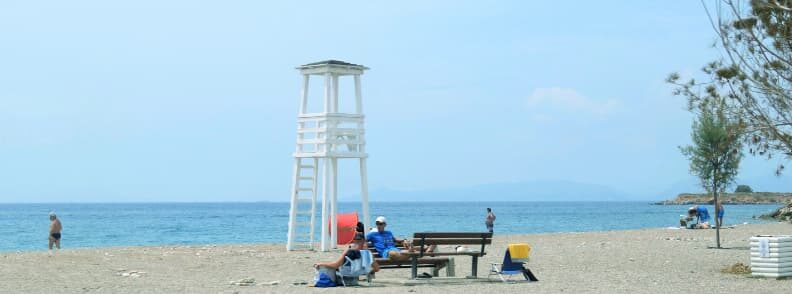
(684, 220)
(354, 252)
(385, 243)
(702, 217)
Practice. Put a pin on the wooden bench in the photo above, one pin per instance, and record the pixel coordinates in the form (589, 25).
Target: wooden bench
(435, 263)
(475, 241)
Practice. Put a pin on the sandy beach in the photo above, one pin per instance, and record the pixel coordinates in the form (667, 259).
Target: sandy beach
(636, 261)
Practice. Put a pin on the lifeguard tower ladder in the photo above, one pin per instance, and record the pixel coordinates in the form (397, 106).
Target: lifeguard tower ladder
(324, 138)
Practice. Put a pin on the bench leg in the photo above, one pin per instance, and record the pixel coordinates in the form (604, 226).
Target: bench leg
(414, 267)
(436, 271)
(450, 268)
(475, 266)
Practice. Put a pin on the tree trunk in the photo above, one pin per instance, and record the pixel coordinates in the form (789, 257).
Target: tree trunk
(717, 224)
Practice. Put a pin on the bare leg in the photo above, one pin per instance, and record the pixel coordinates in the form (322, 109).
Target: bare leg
(57, 243)
(51, 241)
(396, 255)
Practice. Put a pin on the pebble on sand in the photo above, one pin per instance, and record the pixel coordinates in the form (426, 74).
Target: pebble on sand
(244, 282)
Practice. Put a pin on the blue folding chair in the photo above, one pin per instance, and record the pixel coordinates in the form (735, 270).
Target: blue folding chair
(513, 266)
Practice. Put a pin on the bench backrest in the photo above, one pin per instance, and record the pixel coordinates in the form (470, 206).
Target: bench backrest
(422, 239)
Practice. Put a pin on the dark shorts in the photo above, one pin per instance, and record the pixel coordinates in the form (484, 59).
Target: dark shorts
(56, 236)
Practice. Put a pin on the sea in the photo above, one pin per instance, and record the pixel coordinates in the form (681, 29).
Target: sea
(24, 227)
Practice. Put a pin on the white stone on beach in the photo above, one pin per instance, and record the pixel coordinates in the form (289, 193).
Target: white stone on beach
(129, 273)
(244, 282)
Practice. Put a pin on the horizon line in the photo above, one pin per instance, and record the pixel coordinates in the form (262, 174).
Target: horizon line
(340, 201)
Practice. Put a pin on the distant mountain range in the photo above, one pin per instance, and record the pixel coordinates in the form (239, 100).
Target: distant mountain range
(517, 191)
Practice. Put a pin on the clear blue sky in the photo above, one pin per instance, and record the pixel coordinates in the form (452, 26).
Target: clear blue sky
(197, 100)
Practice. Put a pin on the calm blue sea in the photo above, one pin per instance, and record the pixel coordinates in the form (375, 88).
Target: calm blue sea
(25, 226)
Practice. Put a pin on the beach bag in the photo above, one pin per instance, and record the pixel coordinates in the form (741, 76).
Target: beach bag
(324, 278)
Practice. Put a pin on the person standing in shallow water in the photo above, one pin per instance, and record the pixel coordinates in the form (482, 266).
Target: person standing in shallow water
(719, 222)
(54, 231)
(490, 221)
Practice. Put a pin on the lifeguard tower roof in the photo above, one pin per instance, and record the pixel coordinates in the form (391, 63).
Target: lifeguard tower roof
(332, 65)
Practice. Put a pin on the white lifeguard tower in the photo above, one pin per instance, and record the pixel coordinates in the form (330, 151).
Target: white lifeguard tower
(325, 136)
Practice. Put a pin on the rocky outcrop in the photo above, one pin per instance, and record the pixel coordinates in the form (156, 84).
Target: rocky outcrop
(783, 213)
(730, 198)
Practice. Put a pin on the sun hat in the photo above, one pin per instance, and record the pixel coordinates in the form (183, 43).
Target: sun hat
(381, 219)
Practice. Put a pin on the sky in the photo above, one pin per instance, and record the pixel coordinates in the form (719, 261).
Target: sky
(130, 101)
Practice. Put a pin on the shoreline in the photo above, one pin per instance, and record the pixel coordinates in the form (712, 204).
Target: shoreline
(284, 243)
(710, 203)
(647, 260)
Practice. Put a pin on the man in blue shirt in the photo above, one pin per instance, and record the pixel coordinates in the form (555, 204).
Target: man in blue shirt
(384, 241)
(702, 217)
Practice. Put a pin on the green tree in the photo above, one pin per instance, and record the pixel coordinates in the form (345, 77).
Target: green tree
(755, 71)
(716, 151)
(743, 189)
